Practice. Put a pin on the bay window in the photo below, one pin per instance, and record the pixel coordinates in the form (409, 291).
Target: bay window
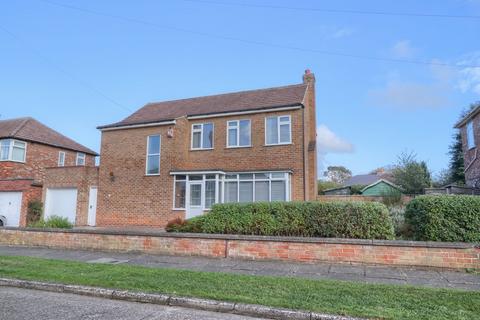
(13, 150)
(238, 133)
(202, 136)
(278, 130)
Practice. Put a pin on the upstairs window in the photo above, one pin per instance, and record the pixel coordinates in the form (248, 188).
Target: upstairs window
(61, 159)
(278, 130)
(80, 159)
(202, 136)
(239, 133)
(13, 150)
(153, 155)
(470, 135)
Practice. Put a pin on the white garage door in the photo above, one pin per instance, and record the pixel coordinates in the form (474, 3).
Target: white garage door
(62, 203)
(10, 206)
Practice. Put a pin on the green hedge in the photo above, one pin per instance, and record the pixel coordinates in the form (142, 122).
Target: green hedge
(52, 222)
(361, 220)
(444, 218)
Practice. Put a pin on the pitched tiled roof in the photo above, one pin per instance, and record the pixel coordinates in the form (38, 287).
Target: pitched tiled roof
(30, 129)
(362, 179)
(223, 103)
(468, 116)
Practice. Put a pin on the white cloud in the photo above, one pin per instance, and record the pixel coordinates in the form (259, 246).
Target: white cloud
(403, 49)
(341, 33)
(329, 142)
(469, 77)
(410, 95)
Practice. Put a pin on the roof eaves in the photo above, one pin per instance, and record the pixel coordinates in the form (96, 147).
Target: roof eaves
(467, 117)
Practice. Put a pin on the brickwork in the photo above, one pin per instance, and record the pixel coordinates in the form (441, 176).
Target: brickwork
(309, 250)
(472, 156)
(81, 178)
(127, 197)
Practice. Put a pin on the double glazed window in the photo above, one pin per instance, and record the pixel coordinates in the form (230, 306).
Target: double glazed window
(61, 158)
(278, 130)
(13, 150)
(249, 187)
(153, 155)
(470, 135)
(202, 187)
(202, 136)
(80, 159)
(239, 133)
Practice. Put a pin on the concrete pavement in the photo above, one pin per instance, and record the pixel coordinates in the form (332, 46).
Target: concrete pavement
(20, 304)
(366, 274)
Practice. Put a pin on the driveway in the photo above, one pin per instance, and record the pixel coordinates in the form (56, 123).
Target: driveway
(20, 304)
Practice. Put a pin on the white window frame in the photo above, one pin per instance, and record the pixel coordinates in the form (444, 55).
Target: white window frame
(175, 180)
(201, 135)
(81, 155)
(61, 158)
(237, 128)
(153, 154)
(11, 145)
(289, 122)
(470, 135)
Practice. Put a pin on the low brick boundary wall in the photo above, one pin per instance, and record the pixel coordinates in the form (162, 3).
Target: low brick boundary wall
(310, 250)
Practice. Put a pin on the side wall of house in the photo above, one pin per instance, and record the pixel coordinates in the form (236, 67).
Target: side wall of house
(310, 142)
(472, 156)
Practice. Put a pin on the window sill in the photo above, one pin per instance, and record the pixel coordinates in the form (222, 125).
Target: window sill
(239, 147)
(178, 209)
(278, 144)
(152, 175)
(201, 149)
(8, 160)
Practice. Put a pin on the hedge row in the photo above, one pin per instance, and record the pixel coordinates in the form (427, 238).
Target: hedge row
(444, 218)
(361, 220)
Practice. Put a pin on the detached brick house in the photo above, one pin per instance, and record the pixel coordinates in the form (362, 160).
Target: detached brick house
(175, 159)
(27, 149)
(470, 130)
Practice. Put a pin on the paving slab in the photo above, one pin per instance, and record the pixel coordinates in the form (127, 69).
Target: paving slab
(347, 272)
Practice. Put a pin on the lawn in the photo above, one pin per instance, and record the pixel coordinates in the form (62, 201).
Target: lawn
(336, 297)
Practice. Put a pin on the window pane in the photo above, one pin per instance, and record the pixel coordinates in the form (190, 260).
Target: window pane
(246, 191)
(232, 137)
(153, 164)
(261, 176)
(284, 119)
(277, 175)
(18, 154)
(246, 176)
(272, 133)
(19, 144)
(196, 177)
(196, 140)
(261, 191)
(195, 195)
(278, 191)
(209, 193)
(154, 145)
(180, 191)
(284, 133)
(231, 176)
(4, 149)
(470, 135)
(210, 177)
(180, 177)
(207, 135)
(231, 191)
(245, 132)
(80, 159)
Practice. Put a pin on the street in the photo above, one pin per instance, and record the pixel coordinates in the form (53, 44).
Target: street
(16, 304)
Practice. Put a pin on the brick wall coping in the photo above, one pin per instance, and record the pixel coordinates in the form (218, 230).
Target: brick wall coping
(164, 234)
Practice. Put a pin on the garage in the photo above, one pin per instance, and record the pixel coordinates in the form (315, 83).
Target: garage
(62, 203)
(10, 207)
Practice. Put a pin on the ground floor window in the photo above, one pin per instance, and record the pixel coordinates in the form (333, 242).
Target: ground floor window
(204, 190)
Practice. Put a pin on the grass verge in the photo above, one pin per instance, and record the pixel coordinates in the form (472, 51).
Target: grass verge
(336, 297)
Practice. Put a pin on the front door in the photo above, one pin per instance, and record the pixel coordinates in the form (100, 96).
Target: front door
(92, 206)
(194, 199)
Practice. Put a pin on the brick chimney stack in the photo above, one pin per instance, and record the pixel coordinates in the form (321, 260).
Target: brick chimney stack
(309, 77)
(310, 134)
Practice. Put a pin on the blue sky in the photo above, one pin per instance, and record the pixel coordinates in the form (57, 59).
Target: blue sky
(64, 66)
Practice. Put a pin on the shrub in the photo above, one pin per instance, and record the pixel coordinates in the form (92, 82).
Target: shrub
(34, 211)
(53, 222)
(444, 218)
(342, 219)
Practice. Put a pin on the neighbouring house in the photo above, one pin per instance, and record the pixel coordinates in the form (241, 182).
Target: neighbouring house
(469, 127)
(339, 191)
(381, 188)
(175, 159)
(27, 149)
(372, 184)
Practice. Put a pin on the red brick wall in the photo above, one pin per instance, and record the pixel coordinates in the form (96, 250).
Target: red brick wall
(128, 197)
(78, 177)
(39, 157)
(404, 253)
(472, 156)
